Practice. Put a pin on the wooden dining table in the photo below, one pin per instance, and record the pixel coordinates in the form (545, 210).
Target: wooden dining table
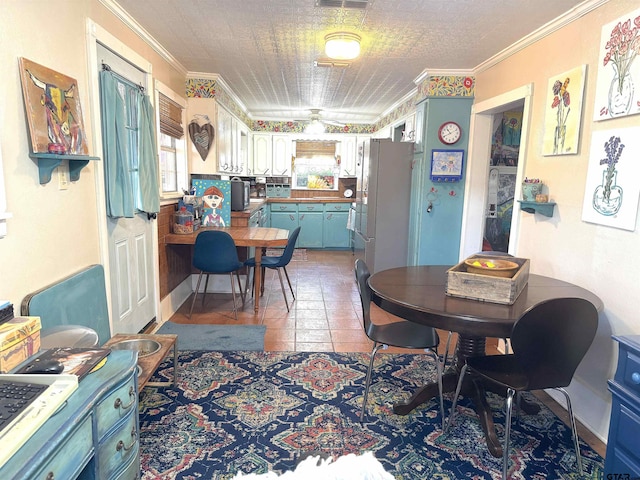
(259, 237)
(418, 294)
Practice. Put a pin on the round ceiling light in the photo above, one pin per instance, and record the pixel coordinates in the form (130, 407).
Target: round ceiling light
(342, 45)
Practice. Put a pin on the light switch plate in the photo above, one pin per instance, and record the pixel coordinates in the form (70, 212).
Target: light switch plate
(63, 176)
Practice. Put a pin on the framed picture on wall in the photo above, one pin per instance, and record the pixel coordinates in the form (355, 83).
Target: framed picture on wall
(446, 165)
(563, 112)
(52, 103)
(617, 92)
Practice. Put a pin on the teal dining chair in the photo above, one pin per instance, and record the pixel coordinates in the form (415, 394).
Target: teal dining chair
(215, 252)
(278, 263)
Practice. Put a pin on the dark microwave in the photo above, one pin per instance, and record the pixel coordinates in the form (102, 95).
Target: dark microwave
(240, 191)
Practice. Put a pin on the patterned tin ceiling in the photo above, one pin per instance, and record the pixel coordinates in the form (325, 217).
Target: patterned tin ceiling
(265, 49)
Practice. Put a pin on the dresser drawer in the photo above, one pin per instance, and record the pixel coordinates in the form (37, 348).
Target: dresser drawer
(118, 404)
(116, 450)
(631, 372)
(131, 471)
(72, 456)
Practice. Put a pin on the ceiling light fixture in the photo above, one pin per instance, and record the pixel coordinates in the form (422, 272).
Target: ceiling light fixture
(314, 127)
(342, 45)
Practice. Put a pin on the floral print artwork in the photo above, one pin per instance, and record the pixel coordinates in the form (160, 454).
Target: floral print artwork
(618, 85)
(612, 189)
(563, 112)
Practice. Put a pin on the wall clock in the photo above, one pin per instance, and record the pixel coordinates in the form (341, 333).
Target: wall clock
(449, 133)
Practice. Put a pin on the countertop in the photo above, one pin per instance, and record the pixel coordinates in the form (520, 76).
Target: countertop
(256, 203)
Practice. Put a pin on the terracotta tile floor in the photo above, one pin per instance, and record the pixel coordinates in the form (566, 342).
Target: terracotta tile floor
(325, 317)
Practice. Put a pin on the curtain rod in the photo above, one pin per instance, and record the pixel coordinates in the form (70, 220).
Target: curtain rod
(107, 68)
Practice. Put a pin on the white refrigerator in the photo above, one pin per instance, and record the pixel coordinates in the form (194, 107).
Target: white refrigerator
(382, 203)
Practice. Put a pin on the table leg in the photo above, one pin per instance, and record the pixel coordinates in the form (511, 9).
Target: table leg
(257, 275)
(466, 347)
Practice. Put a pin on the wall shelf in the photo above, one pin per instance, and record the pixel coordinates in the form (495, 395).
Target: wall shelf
(545, 209)
(48, 162)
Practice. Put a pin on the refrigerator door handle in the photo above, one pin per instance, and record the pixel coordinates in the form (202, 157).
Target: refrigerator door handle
(363, 237)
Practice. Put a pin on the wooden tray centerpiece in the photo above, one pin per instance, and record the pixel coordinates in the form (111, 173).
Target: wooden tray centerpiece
(489, 279)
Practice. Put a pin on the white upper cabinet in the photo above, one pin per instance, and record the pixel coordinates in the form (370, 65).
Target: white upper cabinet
(262, 154)
(232, 148)
(282, 147)
(347, 148)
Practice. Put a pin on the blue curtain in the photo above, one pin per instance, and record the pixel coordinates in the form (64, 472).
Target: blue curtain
(129, 148)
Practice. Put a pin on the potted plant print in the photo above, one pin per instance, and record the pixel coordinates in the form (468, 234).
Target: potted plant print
(621, 50)
(531, 187)
(607, 198)
(561, 101)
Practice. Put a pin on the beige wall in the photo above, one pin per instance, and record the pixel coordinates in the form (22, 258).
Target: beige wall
(53, 233)
(602, 259)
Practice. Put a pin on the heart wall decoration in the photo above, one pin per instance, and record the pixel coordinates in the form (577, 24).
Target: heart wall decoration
(202, 137)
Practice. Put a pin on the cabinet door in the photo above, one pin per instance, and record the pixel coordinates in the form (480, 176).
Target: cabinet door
(285, 220)
(311, 231)
(261, 154)
(225, 141)
(281, 156)
(336, 234)
(348, 150)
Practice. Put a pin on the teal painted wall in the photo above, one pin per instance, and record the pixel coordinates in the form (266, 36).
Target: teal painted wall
(437, 233)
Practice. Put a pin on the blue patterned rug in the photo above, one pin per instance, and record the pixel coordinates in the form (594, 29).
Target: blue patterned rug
(254, 412)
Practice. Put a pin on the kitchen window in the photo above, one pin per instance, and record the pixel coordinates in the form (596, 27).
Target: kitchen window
(172, 143)
(316, 166)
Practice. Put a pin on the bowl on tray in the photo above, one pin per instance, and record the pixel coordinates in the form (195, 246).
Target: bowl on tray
(494, 267)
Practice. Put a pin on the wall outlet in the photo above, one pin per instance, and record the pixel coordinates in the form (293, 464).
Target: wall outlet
(63, 176)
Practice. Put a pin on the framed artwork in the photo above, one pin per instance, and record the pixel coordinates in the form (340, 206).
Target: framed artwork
(216, 201)
(563, 112)
(617, 91)
(446, 165)
(613, 179)
(52, 103)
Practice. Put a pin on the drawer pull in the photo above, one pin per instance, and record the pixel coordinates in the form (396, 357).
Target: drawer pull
(134, 438)
(118, 403)
(50, 476)
(635, 378)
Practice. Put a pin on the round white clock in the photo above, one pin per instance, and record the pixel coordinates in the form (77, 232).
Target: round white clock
(449, 133)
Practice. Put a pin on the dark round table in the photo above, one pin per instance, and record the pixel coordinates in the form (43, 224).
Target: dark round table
(419, 294)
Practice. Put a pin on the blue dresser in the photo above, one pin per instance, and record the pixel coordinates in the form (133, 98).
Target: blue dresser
(94, 436)
(623, 445)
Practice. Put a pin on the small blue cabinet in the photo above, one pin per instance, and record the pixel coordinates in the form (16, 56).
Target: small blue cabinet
(284, 215)
(623, 454)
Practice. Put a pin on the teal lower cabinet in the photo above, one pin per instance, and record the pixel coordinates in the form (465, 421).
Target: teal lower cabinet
(323, 225)
(284, 215)
(336, 234)
(311, 222)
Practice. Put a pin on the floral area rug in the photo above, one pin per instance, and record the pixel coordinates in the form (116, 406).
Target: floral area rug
(255, 412)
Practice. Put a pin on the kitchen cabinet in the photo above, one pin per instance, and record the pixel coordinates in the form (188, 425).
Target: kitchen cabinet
(335, 232)
(262, 154)
(284, 215)
(282, 148)
(623, 458)
(232, 156)
(311, 221)
(347, 148)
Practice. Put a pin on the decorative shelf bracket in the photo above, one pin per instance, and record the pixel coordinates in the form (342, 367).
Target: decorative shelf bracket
(48, 162)
(545, 209)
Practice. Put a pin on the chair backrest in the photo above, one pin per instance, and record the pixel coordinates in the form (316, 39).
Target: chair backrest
(362, 278)
(550, 340)
(215, 252)
(285, 258)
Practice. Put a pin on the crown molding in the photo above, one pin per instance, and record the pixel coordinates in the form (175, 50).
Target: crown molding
(130, 22)
(563, 20)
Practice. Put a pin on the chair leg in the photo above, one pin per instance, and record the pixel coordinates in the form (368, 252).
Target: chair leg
(376, 347)
(233, 293)
(289, 282)
(507, 433)
(264, 271)
(446, 350)
(574, 430)
(195, 294)
(455, 398)
(439, 368)
(242, 292)
(246, 283)
(206, 285)
(282, 287)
